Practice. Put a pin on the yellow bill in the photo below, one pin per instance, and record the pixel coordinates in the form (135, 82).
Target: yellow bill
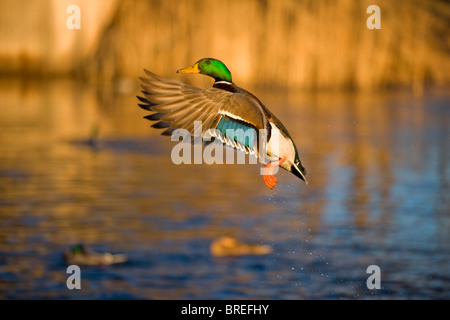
(191, 69)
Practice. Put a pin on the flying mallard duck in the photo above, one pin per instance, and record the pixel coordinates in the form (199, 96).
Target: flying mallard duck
(223, 107)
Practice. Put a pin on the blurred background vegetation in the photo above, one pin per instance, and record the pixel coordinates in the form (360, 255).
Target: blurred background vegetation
(287, 44)
(78, 164)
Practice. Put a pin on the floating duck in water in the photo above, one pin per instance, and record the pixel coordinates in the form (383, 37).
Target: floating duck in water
(80, 255)
(229, 246)
(224, 107)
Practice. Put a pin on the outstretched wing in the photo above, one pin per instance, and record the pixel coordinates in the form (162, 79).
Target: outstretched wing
(228, 116)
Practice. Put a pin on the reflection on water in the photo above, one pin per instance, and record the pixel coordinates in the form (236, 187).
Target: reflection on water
(379, 172)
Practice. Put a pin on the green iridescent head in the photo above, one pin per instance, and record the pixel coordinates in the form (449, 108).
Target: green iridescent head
(210, 67)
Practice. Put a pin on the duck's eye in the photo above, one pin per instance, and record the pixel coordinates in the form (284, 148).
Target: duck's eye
(208, 62)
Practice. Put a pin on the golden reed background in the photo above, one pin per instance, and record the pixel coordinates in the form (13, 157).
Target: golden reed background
(288, 44)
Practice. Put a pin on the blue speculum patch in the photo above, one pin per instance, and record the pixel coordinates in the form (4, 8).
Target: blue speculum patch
(238, 131)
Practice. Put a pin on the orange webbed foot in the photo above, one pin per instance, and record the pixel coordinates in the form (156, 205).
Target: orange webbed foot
(269, 179)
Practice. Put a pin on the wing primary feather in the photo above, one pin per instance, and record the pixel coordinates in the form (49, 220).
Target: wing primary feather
(168, 131)
(154, 117)
(146, 107)
(145, 100)
(188, 120)
(161, 125)
(177, 113)
(168, 106)
(160, 80)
